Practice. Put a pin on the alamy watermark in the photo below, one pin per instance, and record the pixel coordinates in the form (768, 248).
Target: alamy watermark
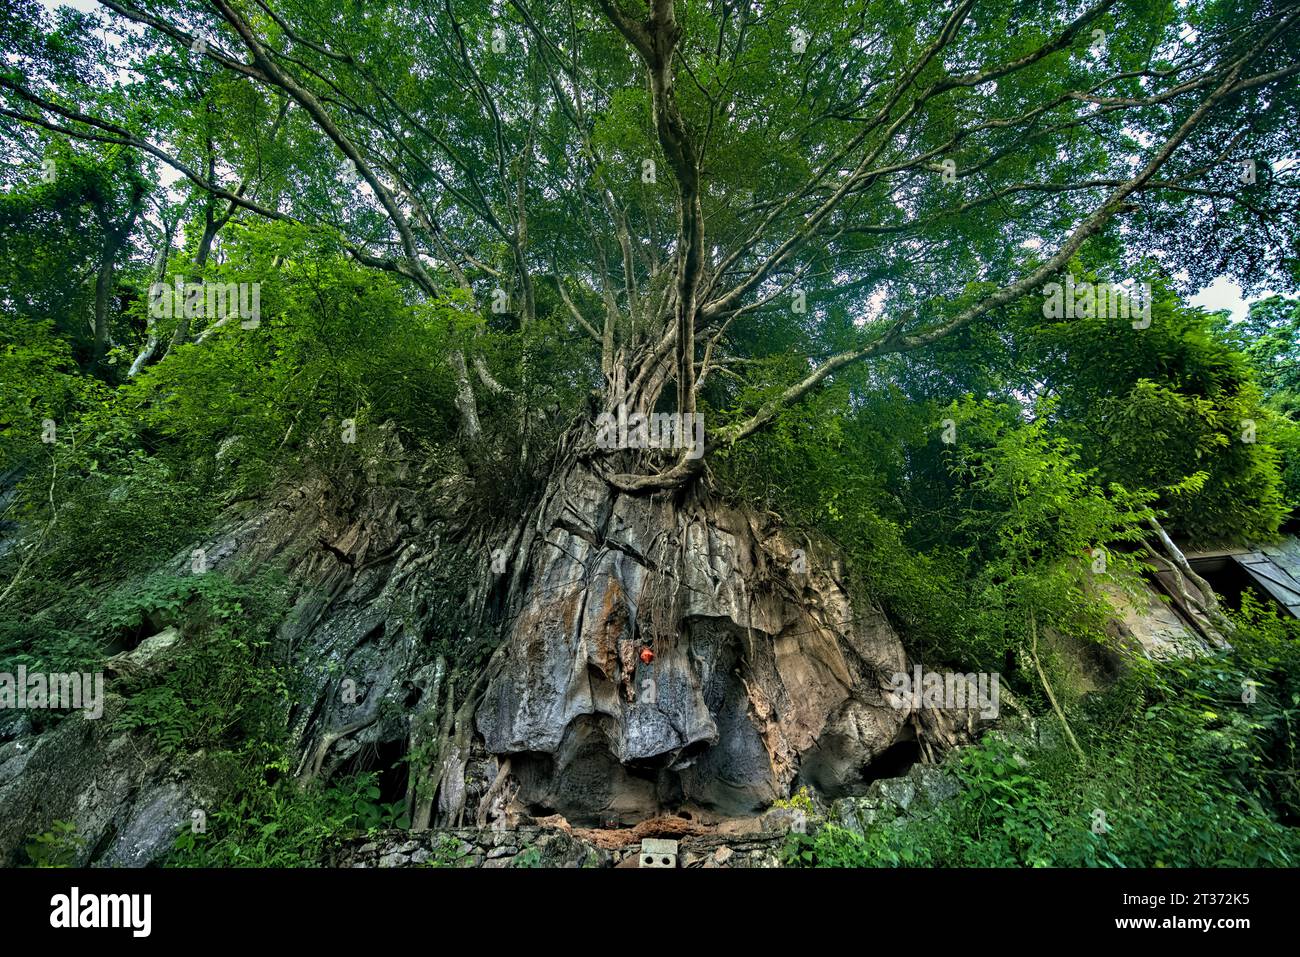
(1100, 300)
(945, 690)
(129, 911)
(207, 300)
(37, 689)
(657, 430)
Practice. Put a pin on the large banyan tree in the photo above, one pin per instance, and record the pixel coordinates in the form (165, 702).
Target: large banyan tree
(688, 189)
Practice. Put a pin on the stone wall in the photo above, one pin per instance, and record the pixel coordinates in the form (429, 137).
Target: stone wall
(545, 847)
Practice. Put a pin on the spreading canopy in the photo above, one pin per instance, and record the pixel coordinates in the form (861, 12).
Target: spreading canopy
(685, 182)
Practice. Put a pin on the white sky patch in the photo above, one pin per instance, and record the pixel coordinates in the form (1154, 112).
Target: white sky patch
(1223, 293)
(875, 306)
(168, 176)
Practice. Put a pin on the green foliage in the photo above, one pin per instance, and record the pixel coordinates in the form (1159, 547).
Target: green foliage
(1036, 519)
(57, 847)
(801, 800)
(1269, 338)
(529, 857)
(834, 846)
(1180, 772)
(224, 686)
(1151, 408)
(447, 853)
(41, 381)
(94, 503)
(123, 521)
(334, 341)
(39, 646)
(281, 824)
(52, 230)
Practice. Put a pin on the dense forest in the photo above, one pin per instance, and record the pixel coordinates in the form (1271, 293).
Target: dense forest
(597, 417)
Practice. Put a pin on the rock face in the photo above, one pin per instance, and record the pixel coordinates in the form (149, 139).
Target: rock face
(890, 799)
(366, 617)
(80, 771)
(673, 650)
(126, 801)
(474, 847)
(1151, 627)
(652, 653)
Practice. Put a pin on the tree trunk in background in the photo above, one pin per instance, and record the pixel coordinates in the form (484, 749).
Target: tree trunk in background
(211, 226)
(116, 236)
(150, 348)
(103, 291)
(105, 282)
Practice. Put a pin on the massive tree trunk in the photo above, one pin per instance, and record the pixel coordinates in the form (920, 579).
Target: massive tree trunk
(758, 670)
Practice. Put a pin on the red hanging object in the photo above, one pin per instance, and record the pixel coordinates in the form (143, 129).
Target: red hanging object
(647, 656)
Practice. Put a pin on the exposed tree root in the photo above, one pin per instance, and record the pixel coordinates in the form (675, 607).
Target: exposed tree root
(328, 740)
(1203, 600)
(1047, 687)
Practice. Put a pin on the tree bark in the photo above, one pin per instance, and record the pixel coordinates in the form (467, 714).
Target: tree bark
(116, 235)
(152, 341)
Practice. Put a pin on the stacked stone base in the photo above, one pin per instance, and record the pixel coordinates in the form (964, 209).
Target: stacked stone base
(545, 847)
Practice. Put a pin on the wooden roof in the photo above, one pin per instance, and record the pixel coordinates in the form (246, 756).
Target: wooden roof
(1272, 578)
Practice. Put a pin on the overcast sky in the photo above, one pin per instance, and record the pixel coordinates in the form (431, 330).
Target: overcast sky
(1225, 294)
